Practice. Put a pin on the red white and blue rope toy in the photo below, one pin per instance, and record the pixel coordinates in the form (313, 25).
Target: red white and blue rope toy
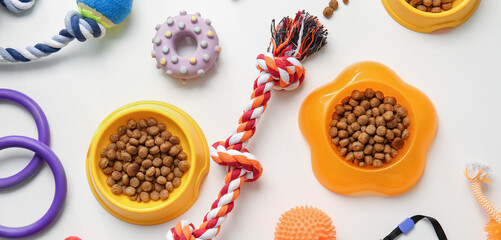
(91, 21)
(292, 41)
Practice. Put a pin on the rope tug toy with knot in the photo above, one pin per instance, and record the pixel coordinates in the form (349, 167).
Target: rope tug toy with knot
(292, 41)
(90, 22)
(478, 173)
(17, 6)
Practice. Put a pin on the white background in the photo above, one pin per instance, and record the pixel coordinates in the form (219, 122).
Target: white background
(79, 86)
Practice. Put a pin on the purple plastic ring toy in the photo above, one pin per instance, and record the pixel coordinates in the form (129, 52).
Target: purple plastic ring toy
(59, 178)
(43, 135)
(176, 28)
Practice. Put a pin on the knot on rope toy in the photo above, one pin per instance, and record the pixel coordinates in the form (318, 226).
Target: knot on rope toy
(288, 72)
(182, 231)
(83, 28)
(233, 159)
(18, 6)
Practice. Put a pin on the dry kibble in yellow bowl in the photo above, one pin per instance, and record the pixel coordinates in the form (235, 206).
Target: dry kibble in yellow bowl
(146, 162)
(427, 16)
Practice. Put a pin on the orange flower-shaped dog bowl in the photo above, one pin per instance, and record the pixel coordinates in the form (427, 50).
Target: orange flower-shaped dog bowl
(340, 176)
(180, 199)
(427, 22)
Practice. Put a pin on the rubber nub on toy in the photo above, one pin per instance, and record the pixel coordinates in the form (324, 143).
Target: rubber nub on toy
(305, 223)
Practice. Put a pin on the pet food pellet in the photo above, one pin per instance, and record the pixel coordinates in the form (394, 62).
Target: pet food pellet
(134, 182)
(358, 155)
(145, 197)
(174, 140)
(116, 189)
(159, 187)
(149, 143)
(146, 186)
(377, 163)
(153, 130)
(343, 151)
(116, 175)
(328, 11)
(130, 191)
(184, 165)
(349, 156)
(164, 171)
(132, 169)
(168, 161)
(381, 131)
(345, 1)
(108, 170)
(406, 122)
(142, 152)
(150, 172)
(405, 134)
(131, 124)
(371, 129)
(161, 180)
(169, 186)
(159, 140)
(147, 163)
(136, 134)
(140, 176)
(165, 147)
(164, 194)
(154, 150)
(155, 195)
(398, 143)
(152, 122)
(333, 4)
(114, 137)
(110, 181)
(170, 176)
(176, 182)
(103, 163)
(157, 162)
(174, 150)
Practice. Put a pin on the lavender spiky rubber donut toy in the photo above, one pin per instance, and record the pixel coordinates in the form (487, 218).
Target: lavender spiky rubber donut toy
(90, 22)
(171, 32)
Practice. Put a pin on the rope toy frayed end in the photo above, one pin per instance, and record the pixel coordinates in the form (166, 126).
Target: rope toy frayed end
(477, 171)
(493, 230)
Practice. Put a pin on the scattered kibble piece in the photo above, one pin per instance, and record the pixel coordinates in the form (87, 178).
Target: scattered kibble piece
(368, 128)
(143, 161)
(333, 5)
(328, 12)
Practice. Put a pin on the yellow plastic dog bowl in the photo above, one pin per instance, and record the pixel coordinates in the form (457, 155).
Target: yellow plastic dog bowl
(427, 22)
(332, 170)
(182, 198)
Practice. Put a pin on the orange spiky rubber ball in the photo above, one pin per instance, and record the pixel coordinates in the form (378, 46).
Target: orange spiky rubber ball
(305, 223)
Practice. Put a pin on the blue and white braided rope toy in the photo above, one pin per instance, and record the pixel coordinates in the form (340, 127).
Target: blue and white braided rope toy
(17, 6)
(90, 22)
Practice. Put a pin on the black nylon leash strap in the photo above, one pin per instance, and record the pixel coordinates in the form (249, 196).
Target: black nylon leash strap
(409, 223)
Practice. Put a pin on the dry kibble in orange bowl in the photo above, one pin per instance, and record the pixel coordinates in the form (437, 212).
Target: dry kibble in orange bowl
(332, 162)
(366, 128)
